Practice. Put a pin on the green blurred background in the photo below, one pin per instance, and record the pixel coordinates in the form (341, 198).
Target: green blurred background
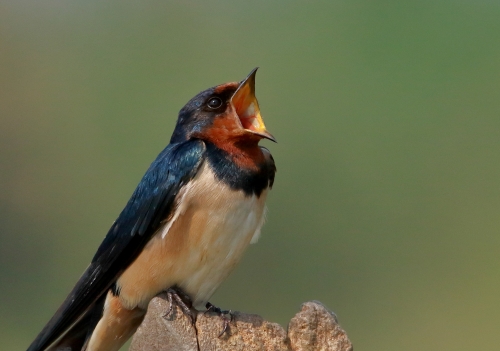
(387, 198)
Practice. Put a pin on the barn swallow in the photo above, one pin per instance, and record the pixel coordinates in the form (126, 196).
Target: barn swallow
(187, 224)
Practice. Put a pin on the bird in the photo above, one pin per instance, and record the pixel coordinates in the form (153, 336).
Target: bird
(186, 226)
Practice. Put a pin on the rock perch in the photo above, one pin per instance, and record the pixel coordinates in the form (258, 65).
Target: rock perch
(313, 328)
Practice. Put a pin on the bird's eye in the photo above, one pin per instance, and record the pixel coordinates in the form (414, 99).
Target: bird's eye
(214, 103)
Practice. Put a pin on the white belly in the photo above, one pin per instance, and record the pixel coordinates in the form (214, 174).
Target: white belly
(227, 233)
(199, 246)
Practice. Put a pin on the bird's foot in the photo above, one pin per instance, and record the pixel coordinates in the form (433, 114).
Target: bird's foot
(223, 316)
(182, 300)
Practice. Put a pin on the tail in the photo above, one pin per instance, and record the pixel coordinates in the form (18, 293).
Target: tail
(74, 338)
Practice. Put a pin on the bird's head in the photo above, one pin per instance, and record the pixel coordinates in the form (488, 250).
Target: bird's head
(226, 113)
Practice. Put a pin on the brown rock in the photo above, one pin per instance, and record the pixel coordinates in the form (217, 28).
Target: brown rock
(161, 333)
(314, 328)
(247, 332)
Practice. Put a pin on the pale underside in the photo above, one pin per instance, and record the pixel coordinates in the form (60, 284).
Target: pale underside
(199, 246)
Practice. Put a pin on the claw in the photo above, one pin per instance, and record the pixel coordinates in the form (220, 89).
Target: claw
(225, 322)
(182, 300)
(222, 313)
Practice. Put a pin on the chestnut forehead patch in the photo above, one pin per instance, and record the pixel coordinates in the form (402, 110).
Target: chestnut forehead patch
(224, 87)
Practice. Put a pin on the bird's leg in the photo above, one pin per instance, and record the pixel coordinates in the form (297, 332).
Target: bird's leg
(182, 300)
(222, 314)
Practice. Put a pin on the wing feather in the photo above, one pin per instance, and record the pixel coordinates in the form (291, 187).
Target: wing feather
(151, 202)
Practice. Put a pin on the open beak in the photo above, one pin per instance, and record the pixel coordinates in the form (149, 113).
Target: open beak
(247, 107)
